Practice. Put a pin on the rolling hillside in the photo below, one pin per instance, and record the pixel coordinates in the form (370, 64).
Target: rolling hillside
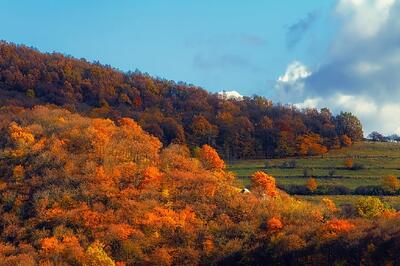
(374, 160)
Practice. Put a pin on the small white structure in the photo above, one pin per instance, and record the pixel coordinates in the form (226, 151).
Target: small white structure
(245, 191)
(229, 95)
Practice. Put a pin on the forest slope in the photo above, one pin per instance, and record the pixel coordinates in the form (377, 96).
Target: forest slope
(174, 112)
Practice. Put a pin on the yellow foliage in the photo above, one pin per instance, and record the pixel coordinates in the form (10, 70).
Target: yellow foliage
(18, 172)
(20, 136)
(390, 183)
(96, 256)
(329, 204)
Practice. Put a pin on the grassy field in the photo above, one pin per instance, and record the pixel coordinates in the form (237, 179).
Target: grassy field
(378, 160)
(340, 200)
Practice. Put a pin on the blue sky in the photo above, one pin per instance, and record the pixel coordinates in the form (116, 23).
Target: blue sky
(341, 54)
(220, 45)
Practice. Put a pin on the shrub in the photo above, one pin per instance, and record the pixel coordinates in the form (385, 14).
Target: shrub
(312, 184)
(265, 182)
(333, 190)
(369, 190)
(274, 224)
(348, 163)
(370, 207)
(390, 183)
(332, 172)
(357, 166)
(329, 204)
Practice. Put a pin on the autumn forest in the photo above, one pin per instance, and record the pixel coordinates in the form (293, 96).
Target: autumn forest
(104, 167)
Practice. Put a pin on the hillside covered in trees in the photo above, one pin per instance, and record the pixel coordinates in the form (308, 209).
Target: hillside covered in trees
(173, 112)
(76, 190)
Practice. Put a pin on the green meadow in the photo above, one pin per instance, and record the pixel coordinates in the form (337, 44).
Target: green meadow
(376, 159)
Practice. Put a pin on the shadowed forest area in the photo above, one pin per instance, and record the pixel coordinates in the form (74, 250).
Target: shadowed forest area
(173, 112)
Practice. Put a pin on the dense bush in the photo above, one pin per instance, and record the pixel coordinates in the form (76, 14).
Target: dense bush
(369, 190)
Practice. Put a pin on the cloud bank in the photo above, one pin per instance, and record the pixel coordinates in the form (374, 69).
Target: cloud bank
(361, 72)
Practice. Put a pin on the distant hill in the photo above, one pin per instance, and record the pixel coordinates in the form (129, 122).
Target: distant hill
(251, 127)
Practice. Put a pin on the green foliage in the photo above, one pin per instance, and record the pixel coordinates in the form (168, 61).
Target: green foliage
(30, 93)
(350, 126)
(370, 207)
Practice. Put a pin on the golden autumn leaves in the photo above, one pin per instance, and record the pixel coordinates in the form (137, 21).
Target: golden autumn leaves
(85, 191)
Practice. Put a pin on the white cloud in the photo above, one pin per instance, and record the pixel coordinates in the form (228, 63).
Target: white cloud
(294, 72)
(309, 103)
(360, 72)
(358, 104)
(365, 68)
(364, 17)
(291, 84)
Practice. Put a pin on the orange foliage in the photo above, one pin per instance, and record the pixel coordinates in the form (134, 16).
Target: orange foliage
(50, 245)
(348, 163)
(274, 224)
(18, 172)
(90, 180)
(210, 158)
(390, 183)
(345, 140)
(317, 215)
(162, 217)
(68, 247)
(208, 245)
(310, 145)
(336, 226)
(120, 231)
(312, 184)
(150, 175)
(162, 256)
(265, 182)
